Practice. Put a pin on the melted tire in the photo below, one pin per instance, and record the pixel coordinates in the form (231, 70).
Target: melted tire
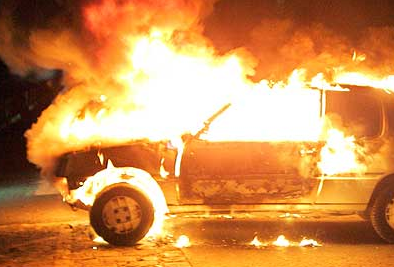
(378, 215)
(130, 237)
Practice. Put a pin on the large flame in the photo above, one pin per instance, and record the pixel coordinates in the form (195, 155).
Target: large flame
(171, 89)
(339, 155)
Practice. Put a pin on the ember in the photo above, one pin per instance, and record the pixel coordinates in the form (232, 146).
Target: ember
(256, 242)
(182, 242)
(281, 242)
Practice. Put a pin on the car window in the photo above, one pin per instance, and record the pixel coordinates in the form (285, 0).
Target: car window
(355, 113)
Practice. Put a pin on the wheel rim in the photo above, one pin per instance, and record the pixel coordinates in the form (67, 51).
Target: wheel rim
(390, 213)
(122, 214)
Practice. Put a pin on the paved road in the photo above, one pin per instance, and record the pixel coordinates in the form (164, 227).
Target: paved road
(37, 229)
(225, 242)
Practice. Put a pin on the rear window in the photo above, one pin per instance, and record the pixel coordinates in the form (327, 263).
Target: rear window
(355, 113)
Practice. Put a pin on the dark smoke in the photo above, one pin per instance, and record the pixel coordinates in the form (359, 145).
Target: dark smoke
(317, 35)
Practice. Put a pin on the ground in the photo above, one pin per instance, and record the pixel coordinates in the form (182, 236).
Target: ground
(38, 229)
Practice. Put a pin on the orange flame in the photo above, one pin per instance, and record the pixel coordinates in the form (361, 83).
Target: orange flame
(339, 155)
(281, 241)
(182, 242)
(362, 79)
(256, 242)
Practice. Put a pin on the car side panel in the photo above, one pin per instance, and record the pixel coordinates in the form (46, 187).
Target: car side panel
(246, 172)
(346, 190)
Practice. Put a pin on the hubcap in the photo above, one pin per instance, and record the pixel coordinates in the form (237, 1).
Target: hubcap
(122, 214)
(390, 213)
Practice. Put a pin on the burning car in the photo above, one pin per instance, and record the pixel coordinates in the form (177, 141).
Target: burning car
(345, 171)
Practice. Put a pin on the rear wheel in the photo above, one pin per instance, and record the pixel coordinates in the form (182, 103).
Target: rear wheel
(382, 215)
(122, 215)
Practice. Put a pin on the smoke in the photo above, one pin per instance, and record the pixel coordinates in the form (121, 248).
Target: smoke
(320, 36)
(85, 38)
(281, 46)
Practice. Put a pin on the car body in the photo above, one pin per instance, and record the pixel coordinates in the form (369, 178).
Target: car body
(253, 176)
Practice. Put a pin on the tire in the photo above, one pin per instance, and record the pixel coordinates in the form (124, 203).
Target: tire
(382, 215)
(122, 215)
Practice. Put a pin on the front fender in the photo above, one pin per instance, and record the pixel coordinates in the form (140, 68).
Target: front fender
(76, 166)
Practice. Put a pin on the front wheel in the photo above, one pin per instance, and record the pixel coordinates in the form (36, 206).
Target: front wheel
(382, 215)
(122, 215)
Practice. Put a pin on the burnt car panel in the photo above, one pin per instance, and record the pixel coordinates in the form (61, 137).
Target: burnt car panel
(347, 190)
(246, 172)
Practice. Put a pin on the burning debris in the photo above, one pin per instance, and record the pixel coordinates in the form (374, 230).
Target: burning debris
(256, 242)
(309, 243)
(288, 215)
(182, 242)
(281, 241)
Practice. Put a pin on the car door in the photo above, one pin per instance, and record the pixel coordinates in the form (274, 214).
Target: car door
(359, 114)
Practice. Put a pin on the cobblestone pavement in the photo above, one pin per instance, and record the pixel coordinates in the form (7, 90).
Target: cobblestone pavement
(63, 244)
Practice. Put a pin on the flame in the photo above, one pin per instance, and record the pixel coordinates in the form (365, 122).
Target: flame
(101, 157)
(158, 74)
(290, 215)
(99, 240)
(299, 121)
(256, 242)
(281, 241)
(339, 155)
(362, 79)
(358, 57)
(182, 242)
(163, 172)
(309, 243)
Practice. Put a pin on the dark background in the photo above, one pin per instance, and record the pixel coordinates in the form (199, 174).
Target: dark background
(21, 102)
